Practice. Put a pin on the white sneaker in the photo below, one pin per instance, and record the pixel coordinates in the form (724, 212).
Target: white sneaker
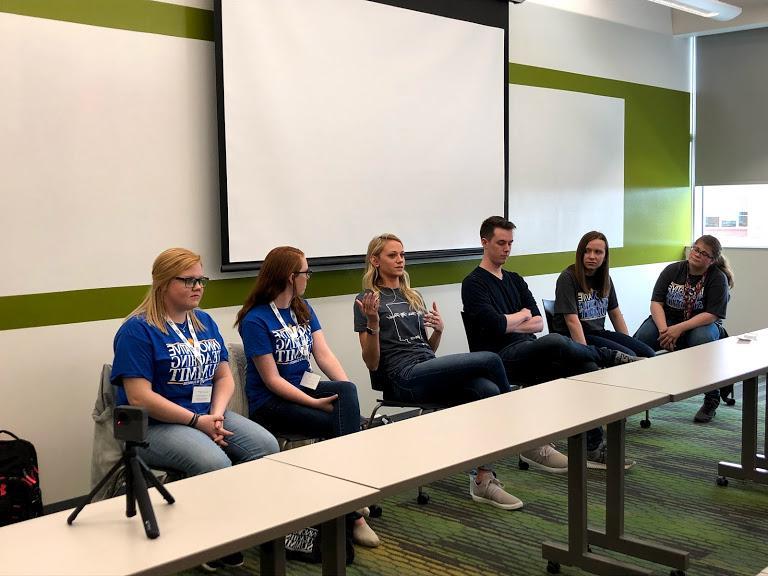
(546, 458)
(491, 491)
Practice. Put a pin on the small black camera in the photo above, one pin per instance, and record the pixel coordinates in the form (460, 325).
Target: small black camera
(131, 423)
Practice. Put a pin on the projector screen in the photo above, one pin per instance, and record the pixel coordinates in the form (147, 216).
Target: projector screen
(343, 119)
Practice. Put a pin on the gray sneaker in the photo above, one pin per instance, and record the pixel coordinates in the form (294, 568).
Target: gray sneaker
(596, 458)
(546, 458)
(491, 491)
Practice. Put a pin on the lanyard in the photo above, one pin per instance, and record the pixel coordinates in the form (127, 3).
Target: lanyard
(292, 331)
(195, 346)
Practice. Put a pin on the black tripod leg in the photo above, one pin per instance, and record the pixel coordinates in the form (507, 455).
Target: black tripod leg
(130, 487)
(142, 497)
(155, 482)
(92, 494)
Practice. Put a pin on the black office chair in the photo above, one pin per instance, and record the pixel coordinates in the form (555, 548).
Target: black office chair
(380, 383)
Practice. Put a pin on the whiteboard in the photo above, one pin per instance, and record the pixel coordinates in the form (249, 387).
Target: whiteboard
(566, 168)
(344, 119)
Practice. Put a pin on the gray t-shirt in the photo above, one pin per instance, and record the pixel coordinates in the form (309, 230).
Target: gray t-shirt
(402, 337)
(591, 307)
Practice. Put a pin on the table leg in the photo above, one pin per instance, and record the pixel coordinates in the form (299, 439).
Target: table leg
(273, 557)
(577, 552)
(752, 465)
(334, 546)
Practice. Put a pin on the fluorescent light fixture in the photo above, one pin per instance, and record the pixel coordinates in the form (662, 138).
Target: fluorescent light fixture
(707, 8)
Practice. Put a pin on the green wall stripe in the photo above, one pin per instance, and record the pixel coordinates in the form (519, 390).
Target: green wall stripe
(136, 15)
(54, 308)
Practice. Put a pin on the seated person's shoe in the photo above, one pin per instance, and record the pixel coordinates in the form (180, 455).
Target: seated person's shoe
(707, 410)
(230, 561)
(364, 535)
(596, 459)
(546, 458)
(624, 358)
(491, 491)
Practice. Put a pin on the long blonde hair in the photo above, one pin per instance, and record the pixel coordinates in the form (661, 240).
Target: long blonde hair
(372, 279)
(167, 266)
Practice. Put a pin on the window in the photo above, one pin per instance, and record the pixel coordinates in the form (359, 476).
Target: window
(737, 215)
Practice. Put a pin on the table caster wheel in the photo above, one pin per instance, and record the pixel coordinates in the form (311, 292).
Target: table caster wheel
(422, 499)
(730, 402)
(722, 481)
(523, 465)
(645, 423)
(553, 567)
(375, 511)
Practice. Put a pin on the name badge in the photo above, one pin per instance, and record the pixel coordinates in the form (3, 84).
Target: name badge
(310, 380)
(202, 394)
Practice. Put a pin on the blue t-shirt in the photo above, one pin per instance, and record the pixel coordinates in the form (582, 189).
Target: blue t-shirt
(262, 333)
(143, 351)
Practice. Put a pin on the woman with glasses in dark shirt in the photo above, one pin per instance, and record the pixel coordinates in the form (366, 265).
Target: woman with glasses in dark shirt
(688, 306)
(280, 330)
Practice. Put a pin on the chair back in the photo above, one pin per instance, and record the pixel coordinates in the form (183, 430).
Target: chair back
(472, 339)
(107, 450)
(238, 364)
(549, 314)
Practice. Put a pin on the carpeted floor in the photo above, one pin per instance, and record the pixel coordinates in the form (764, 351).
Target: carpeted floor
(671, 497)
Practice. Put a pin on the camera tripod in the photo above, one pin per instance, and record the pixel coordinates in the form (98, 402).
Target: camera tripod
(137, 476)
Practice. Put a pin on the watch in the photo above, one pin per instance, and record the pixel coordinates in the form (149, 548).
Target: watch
(371, 330)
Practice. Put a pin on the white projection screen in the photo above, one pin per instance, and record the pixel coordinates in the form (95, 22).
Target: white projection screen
(343, 119)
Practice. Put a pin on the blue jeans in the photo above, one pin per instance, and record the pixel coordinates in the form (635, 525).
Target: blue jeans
(282, 415)
(192, 452)
(649, 334)
(620, 342)
(452, 380)
(550, 357)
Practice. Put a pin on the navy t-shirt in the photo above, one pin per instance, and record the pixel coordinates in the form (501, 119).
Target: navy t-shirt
(711, 296)
(262, 333)
(403, 338)
(591, 307)
(170, 365)
(487, 299)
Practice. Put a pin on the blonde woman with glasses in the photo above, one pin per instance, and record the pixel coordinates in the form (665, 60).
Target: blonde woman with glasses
(688, 306)
(171, 359)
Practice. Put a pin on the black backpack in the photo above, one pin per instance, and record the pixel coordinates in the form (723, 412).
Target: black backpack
(20, 496)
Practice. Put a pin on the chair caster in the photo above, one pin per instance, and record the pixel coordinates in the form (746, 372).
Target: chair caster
(722, 481)
(375, 511)
(423, 499)
(553, 567)
(677, 573)
(522, 465)
(645, 423)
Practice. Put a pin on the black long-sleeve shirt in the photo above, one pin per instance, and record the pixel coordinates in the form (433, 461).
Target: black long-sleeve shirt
(487, 299)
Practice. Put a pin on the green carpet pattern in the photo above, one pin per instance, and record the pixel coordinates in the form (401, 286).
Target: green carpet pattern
(671, 498)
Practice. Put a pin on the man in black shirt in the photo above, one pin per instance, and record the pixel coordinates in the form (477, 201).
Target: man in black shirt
(501, 316)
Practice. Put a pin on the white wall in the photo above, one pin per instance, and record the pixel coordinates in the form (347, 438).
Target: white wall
(105, 227)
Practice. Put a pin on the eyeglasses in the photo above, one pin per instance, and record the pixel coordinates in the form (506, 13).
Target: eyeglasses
(308, 272)
(192, 281)
(701, 252)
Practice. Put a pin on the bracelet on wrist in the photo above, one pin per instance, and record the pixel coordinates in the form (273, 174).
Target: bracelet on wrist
(193, 421)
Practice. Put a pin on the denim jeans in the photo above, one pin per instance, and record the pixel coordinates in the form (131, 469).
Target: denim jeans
(649, 334)
(282, 415)
(550, 357)
(620, 342)
(192, 452)
(453, 379)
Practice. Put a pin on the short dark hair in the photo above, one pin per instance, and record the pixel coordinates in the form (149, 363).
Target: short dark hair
(489, 225)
